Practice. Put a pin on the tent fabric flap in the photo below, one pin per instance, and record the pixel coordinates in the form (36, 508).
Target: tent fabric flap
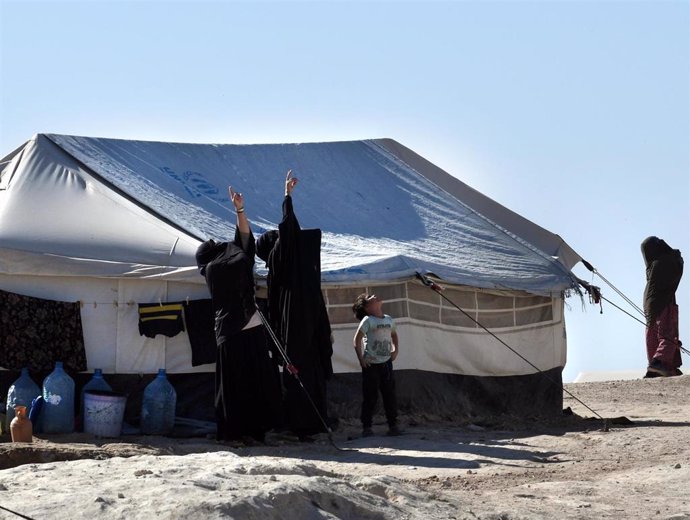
(59, 218)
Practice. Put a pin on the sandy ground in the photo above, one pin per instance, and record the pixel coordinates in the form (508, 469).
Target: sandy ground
(636, 465)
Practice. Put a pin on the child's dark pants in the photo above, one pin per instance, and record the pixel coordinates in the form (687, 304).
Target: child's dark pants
(379, 377)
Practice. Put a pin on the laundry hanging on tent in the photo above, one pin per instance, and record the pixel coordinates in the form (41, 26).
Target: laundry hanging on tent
(200, 321)
(160, 318)
(171, 318)
(35, 333)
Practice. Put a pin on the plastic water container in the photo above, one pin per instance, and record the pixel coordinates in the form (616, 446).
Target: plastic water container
(104, 412)
(158, 406)
(57, 415)
(22, 392)
(35, 414)
(95, 383)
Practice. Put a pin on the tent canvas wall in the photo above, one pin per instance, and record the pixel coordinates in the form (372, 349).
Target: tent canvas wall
(114, 223)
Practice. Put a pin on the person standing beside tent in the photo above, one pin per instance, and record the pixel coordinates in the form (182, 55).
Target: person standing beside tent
(376, 346)
(664, 269)
(297, 313)
(247, 394)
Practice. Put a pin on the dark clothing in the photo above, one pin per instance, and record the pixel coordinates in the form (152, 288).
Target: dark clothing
(230, 280)
(664, 269)
(35, 333)
(379, 377)
(160, 318)
(200, 322)
(297, 313)
(247, 393)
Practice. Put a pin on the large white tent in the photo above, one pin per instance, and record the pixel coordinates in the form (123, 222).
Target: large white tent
(114, 223)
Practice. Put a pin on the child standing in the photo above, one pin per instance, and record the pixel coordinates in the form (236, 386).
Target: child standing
(376, 345)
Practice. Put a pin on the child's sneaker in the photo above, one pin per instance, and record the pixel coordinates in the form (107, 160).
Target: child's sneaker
(367, 432)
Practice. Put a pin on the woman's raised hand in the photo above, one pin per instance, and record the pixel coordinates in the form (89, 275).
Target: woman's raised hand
(236, 198)
(290, 183)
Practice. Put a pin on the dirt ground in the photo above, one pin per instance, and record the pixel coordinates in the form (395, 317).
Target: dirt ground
(636, 464)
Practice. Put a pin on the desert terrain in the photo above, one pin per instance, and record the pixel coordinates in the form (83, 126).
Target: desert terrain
(635, 464)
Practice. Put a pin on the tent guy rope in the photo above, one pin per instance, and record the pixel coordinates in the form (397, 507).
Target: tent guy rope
(438, 289)
(15, 513)
(589, 287)
(594, 270)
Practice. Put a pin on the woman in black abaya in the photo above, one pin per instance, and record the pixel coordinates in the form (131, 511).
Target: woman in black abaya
(298, 315)
(247, 390)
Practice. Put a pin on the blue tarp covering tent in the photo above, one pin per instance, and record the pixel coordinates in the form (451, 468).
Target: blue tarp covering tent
(382, 219)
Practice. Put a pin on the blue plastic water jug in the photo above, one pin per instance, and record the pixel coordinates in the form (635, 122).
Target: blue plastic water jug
(35, 415)
(158, 406)
(22, 392)
(95, 383)
(57, 415)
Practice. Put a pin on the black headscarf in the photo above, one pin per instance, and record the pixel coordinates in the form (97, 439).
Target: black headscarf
(228, 270)
(664, 269)
(207, 252)
(265, 243)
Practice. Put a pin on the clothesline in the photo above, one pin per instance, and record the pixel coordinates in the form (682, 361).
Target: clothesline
(115, 303)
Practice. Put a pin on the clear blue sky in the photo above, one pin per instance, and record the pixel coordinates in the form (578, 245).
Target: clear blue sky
(574, 114)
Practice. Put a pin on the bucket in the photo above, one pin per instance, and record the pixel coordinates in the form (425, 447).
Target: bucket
(104, 412)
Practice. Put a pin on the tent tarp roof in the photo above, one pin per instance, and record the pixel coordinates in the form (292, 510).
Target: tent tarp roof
(111, 207)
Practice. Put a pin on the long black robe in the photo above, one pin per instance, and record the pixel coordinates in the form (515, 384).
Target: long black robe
(664, 269)
(298, 315)
(247, 390)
